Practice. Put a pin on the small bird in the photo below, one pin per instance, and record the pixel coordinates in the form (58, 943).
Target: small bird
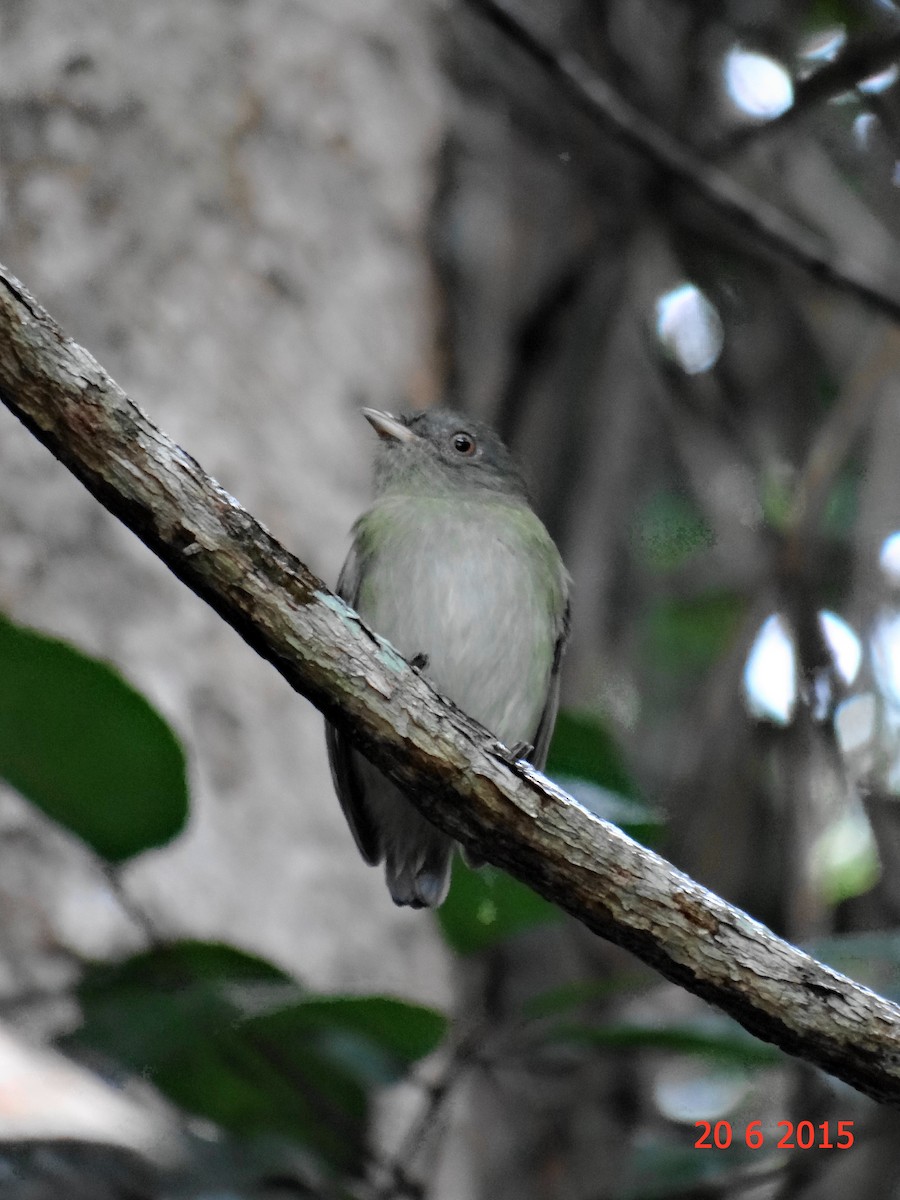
(454, 568)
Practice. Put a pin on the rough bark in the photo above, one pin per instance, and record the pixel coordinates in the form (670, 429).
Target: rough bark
(454, 771)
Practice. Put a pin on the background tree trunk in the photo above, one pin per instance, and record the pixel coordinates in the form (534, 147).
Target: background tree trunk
(227, 204)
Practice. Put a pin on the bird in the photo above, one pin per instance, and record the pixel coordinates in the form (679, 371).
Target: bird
(452, 566)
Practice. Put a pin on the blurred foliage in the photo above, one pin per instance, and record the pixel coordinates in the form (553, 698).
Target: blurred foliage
(227, 1036)
(583, 748)
(710, 421)
(731, 1045)
(846, 14)
(486, 906)
(224, 1034)
(566, 996)
(686, 637)
(842, 507)
(871, 958)
(845, 859)
(671, 528)
(662, 1168)
(565, 1016)
(84, 746)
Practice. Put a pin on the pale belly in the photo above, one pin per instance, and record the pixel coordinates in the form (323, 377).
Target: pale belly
(473, 604)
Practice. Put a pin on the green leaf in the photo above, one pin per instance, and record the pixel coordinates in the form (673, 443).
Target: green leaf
(841, 511)
(232, 1038)
(872, 959)
(660, 1169)
(829, 13)
(186, 963)
(486, 906)
(670, 529)
(84, 746)
(688, 636)
(635, 818)
(153, 1005)
(374, 1038)
(583, 748)
(731, 1046)
(581, 991)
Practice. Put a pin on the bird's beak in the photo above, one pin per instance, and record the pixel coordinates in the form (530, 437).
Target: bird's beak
(389, 427)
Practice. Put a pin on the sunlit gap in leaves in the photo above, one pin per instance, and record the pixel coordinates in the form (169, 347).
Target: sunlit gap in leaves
(689, 327)
(876, 84)
(687, 1091)
(867, 124)
(757, 85)
(867, 725)
(843, 858)
(884, 639)
(884, 642)
(864, 127)
(823, 46)
(889, 559)
(770, 674)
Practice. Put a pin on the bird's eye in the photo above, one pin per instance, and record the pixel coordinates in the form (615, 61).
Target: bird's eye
(464, 443)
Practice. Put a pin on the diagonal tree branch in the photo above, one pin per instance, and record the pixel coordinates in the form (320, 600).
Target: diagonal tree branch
(453, 770)
(756, 216)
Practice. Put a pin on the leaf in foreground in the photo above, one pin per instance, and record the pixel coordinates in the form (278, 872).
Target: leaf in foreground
(232, 1038)
(86, 748)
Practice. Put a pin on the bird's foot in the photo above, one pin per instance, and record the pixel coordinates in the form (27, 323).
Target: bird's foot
(518, 750)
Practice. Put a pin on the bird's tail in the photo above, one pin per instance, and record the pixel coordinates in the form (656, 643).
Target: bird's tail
(421, 879)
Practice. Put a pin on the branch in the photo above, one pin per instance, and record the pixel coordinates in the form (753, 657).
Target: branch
(756, 216)
(453, 770)
(396, 1178)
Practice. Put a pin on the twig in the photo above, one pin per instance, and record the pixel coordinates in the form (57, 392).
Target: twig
(756, 216)
(132, 909)
(462, 1056)
(453, 770)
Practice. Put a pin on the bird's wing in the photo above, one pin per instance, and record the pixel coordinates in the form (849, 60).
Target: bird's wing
(548, 717)
(342, 757)
(538, 755)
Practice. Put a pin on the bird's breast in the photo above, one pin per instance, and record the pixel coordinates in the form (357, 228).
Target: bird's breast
(466, 586)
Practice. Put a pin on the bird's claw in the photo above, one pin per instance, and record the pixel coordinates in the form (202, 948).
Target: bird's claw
(518, 750)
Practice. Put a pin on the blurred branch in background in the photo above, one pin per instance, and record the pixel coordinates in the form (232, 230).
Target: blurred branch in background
(753, 214)
(837, 437)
